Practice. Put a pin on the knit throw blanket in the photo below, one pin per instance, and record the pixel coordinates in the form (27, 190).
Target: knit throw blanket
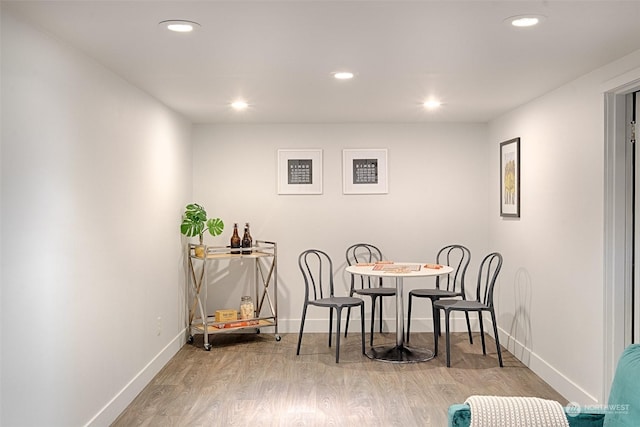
(493, 411)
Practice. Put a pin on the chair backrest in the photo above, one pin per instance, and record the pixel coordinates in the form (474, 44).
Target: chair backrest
(487, 275)
(457, 257)
(317, 270)
(363, 253)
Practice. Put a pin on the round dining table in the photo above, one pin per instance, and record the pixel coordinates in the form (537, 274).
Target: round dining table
(399, 353)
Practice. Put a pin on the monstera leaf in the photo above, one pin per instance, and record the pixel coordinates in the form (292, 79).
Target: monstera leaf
(195, 222)
(215, 226)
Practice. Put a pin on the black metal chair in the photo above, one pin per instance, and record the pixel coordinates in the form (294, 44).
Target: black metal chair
(317, 270)
(367, 285)
(447, 286)
(487, 275)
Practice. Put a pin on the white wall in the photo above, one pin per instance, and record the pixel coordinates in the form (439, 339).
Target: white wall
(550, 301)
(95, 175)
(438, 194)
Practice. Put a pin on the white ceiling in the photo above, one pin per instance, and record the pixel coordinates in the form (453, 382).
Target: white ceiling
(279, 55)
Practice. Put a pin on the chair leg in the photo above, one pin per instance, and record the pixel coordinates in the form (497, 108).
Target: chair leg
(380, 321)
(373, 316)
(436, 330)
(346, 326)
(330, 324)
(339, 313)
(436, 315)
(495, 333)
(466, 313)
(447, 338)
(304, 315)
(362, 325)
(484, 349)
(409, 317)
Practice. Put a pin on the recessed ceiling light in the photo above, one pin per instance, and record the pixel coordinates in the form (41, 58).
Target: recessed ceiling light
(239, 105)
(523, 21)
(431, 104)
(343, 75)
(179, 26)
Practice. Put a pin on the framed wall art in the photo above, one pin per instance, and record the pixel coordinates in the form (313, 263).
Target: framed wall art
(510, 178)
(300, 171)
(364, 171)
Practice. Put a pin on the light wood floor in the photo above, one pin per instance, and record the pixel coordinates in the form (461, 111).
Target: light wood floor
(252, 380)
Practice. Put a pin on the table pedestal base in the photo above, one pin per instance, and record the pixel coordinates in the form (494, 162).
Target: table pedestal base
(400, 354)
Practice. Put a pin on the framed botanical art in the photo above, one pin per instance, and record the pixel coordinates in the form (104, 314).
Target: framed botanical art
(364, 171)
(510, 178)
(300, 171)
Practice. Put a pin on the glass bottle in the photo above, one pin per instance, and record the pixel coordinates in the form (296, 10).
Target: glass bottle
(246, 308)
(247, 241)
(235, 239)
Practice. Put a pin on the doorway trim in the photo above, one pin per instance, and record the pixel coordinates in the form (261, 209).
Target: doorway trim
(617, 246)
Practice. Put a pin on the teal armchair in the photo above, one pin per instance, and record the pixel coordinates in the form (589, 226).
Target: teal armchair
(460, 416)
(622, 409)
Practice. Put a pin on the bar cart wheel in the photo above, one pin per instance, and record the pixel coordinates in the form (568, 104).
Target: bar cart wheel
(190, 339)
(278, 338)
(207, 347)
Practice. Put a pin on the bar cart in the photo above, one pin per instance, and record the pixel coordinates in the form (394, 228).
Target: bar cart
(265, 292)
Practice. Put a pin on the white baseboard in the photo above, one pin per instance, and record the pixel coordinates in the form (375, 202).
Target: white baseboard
(562, 384)
(418, 324)
(124, 397)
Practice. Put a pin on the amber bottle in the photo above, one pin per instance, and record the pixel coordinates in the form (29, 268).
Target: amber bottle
(247, 241)
(235, 239)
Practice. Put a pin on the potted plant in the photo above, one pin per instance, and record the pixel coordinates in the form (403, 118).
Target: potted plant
(195, 223)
